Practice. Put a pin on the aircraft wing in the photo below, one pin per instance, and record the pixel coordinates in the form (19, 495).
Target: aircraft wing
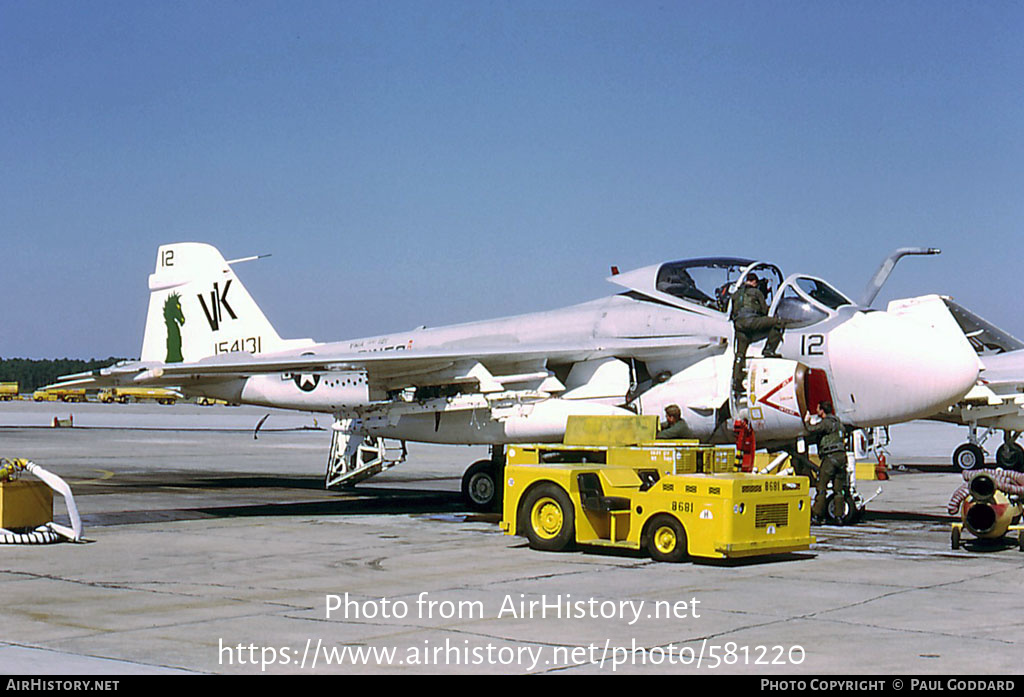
(985, 337)
(1004, 372)
(997, 401)
(394, 368)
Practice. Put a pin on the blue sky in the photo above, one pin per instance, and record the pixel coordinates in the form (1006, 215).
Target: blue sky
(431, 162)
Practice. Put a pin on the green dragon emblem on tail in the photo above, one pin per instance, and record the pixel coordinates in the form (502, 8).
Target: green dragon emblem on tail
(173, 318)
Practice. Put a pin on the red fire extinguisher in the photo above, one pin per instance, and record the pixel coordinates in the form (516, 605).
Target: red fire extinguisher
(746, 444)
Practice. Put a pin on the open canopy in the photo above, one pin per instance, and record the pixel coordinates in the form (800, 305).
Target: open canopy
(708, 283)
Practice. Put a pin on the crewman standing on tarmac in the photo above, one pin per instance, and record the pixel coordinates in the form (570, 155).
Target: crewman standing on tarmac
(832, 451)
(750, 321)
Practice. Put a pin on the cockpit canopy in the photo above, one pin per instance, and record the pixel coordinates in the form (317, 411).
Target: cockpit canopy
(704, 281)
(709, 281)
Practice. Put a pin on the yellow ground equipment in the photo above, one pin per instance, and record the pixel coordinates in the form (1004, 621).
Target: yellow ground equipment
(990, 504)
(138, 394)
(212, 401)
(26, 506)
(674, 498)
(610, 430)
(771, 462)
(62, 394)
(8, 391)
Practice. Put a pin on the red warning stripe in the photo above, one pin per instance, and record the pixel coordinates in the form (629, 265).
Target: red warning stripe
(777, 407)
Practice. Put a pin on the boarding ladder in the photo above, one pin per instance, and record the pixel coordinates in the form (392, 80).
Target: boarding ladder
(355, 456)
(739, 408)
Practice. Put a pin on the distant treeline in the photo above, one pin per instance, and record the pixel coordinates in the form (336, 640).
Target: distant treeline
(32, 374)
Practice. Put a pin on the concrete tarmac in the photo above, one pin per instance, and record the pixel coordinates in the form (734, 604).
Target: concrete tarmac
(213, 552)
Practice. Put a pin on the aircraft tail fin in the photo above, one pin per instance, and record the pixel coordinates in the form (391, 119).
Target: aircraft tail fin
(198, 308)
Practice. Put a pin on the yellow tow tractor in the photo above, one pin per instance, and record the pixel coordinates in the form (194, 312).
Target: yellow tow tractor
(674, 498)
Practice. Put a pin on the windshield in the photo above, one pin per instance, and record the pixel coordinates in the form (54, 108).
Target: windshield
(797, 311)
(703, 281)
(823, 292)
(806, 300)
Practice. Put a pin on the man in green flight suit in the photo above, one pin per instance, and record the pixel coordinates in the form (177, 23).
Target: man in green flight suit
(832, 451)
(750, 320)
(675, 428)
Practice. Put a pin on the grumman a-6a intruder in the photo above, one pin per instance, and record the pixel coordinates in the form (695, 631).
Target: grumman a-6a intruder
(664, 339)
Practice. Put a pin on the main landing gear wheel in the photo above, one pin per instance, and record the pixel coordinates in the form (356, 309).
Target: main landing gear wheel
(954, 538)
(666, 538)
(969, 457)
(480, 486)
(1010, 456)
(549, 518)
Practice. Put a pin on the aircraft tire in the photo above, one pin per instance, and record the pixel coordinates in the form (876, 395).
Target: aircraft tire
(1010, 456)
(666, 538)
(480, 490)
(849, 515)
(969, 457)
(549, 518)
(954, 538)
(1020, 540)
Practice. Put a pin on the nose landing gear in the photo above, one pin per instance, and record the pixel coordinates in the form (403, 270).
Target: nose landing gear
(971, 456)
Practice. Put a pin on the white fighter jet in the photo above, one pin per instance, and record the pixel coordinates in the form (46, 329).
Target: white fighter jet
(665, 338)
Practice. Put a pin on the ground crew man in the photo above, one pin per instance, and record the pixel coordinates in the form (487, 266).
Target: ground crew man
(675, 428)
(832, 451)
(750, 321)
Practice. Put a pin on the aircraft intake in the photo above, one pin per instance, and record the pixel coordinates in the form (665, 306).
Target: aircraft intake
(781, 393)
(778, 398)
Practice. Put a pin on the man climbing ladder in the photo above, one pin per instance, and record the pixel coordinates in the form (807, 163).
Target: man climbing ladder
(750, 321)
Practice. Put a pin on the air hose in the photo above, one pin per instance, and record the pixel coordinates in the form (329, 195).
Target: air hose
(1008, 482)
(50, 532)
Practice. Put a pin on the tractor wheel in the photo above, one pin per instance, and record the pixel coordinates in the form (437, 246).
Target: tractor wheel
(666, 538)
(548, 515)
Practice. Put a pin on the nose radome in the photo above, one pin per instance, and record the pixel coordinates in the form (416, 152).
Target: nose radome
(887, 369)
